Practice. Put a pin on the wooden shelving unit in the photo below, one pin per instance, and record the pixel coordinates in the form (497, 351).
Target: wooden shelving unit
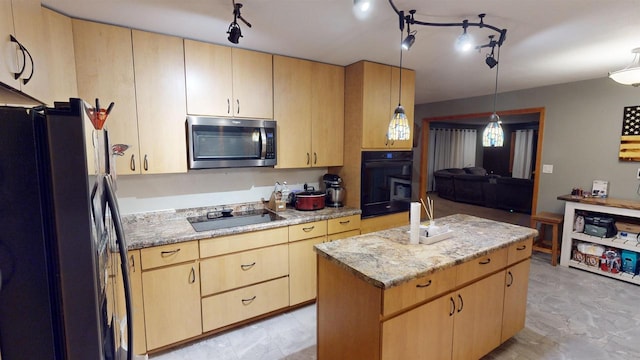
(614, 207)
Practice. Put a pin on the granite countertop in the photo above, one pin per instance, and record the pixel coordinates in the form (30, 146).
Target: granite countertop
(171, 226)
(386, 259)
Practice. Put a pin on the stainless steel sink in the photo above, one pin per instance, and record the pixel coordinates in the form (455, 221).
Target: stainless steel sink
(218, 221)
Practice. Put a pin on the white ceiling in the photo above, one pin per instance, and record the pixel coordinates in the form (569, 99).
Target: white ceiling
(548, 41)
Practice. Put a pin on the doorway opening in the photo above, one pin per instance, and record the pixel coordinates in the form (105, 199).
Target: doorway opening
(501, 167)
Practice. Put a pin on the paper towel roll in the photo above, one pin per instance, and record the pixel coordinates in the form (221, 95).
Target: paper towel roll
(414, 230)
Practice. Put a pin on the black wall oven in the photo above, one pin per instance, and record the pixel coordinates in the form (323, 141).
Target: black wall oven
(385, 182)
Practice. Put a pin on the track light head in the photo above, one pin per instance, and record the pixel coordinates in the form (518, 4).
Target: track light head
(464, 42)
(491, 61)
(408, 41)
(234, 32)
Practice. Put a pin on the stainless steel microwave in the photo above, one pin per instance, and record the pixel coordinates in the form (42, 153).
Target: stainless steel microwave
(224, 143)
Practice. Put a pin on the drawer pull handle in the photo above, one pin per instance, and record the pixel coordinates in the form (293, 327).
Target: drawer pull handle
(169, 253)
(308, 229)
(461, 303)
(247, 266)
(510, 279)
(248, 301)
(520, 248)
(192, 276)
(424, 285)
(453, 307)
(485, 262)
(345, 222)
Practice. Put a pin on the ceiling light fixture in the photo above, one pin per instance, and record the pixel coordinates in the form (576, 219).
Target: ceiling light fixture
(234, 29)
(399, 125)
(491, 60)
(411, 35)
(464, 41)
(493, 135)
(631, 74)
(362, 5)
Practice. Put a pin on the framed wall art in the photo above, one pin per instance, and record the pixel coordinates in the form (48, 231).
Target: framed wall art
(630, 137)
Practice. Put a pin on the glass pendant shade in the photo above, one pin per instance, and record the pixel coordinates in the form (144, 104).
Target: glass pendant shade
(631, 74)
(493, 135)
(399, 125)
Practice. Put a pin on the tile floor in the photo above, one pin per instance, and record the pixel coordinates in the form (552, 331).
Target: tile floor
(571, 314)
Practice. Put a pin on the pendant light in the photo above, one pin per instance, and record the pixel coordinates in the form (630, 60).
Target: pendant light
(631, 74)
(493, 135)
(399, 125)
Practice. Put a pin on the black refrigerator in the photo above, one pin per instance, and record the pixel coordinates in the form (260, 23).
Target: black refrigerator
(63, 263)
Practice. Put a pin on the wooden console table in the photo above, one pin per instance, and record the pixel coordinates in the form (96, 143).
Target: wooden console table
(617, 208)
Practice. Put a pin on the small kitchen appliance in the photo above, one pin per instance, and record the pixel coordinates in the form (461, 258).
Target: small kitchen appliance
(334, 191)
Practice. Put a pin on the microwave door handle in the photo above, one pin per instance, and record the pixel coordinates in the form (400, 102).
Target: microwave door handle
(263, 143)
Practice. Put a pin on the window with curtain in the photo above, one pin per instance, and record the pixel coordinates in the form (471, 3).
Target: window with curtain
(450, 148)
(523, 154)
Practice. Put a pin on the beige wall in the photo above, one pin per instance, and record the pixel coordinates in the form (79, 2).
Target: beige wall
(581, 136)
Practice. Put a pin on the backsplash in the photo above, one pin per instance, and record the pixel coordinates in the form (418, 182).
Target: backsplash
(207, 188)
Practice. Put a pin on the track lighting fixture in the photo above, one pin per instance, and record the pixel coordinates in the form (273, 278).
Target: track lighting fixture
(409, 40)
(234, 29)
(490, 60)
(464, 41)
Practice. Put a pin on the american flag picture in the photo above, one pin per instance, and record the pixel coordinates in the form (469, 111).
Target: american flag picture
(630, 137)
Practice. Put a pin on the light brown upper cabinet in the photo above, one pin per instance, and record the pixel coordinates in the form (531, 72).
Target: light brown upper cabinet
(62, 63)
(229, 82)
(373, 95)
(23, 20)
(104, 68)
(161, 105)
(309, 110)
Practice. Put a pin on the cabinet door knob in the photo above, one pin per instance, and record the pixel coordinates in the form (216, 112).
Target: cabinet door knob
(238, 107)
(461, 303)
(453, 306)
(308, 158)
(145, 163)
(315, 158)
(192, 275)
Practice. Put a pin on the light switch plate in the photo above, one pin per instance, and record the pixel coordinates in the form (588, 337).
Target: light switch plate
(548, 169)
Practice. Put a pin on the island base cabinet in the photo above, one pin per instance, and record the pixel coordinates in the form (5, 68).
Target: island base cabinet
(171, 298)
(433, 322)
(515, 299)
(478, 318)
(241, 304)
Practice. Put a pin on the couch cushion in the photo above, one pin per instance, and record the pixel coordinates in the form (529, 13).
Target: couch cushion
(475, 170)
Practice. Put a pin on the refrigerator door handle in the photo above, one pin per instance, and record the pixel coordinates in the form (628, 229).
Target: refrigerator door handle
(124, 261)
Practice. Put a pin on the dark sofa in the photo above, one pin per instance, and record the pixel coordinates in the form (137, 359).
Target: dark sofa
(474, 186)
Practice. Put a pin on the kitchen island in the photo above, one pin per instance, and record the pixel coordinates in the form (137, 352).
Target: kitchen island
(381, 298)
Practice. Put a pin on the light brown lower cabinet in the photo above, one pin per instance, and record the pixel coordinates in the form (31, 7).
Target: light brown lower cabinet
(515, 299)
(135, 276)
(302, 270)
(462, 312)
(244, 303)
(171, 304)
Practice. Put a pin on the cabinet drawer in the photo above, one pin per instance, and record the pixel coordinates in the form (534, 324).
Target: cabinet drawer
(245, 303)
(308, 230)
(157, 256)
(236, 270)
(343, 235)
(417, 290)
(240, 242)
(481, 266)
(519, 251)
(347, 223)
